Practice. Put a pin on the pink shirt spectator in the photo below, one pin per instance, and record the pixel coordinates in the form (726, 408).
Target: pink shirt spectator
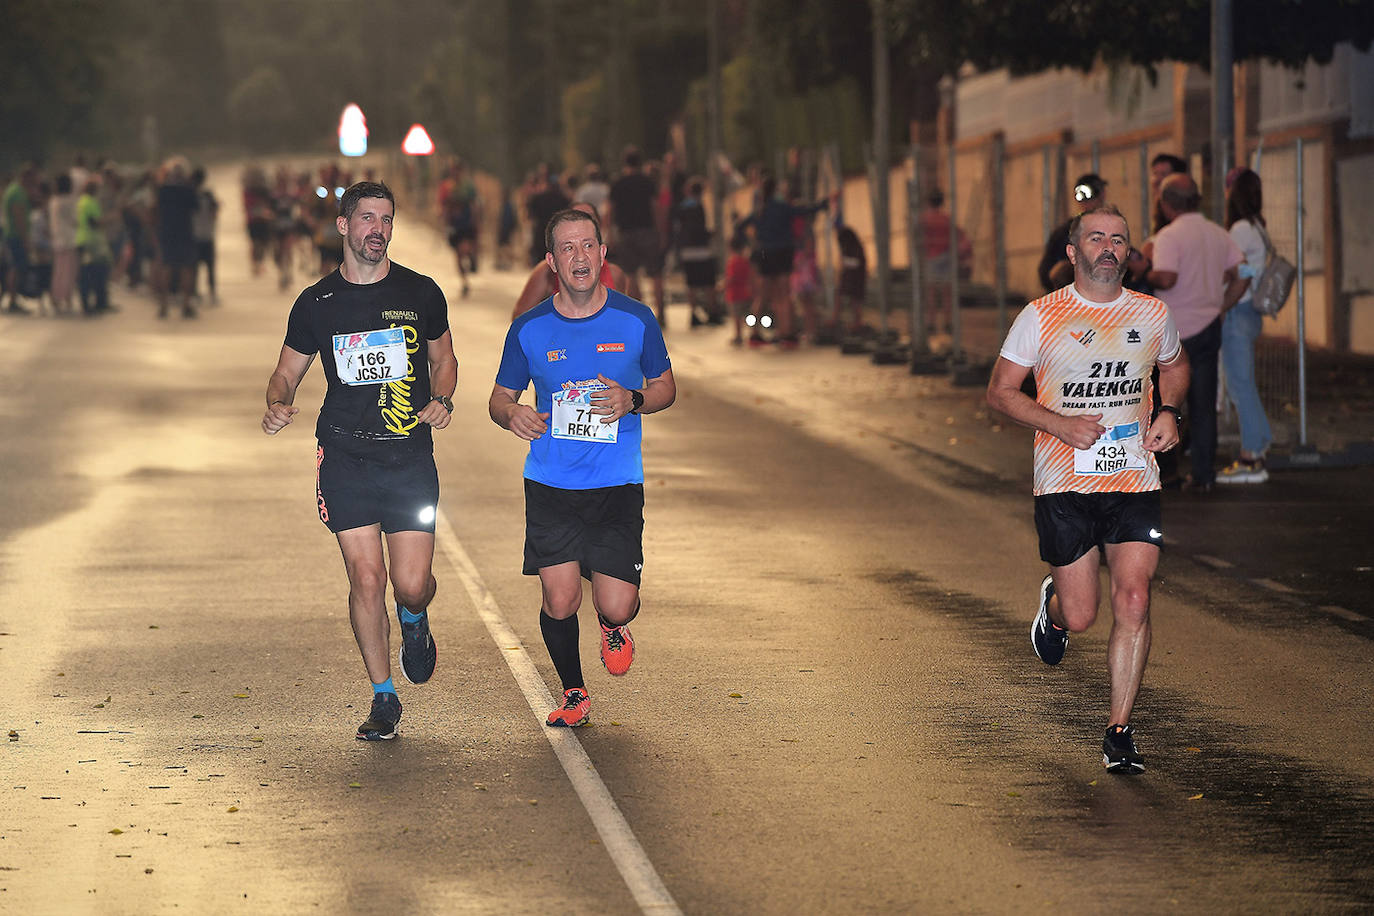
(1200, 252)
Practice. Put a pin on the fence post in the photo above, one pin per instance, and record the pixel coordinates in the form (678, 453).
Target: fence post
(999, 229)
(1302, 311)
(956, 329)
(1046, 198)
(1144, 231)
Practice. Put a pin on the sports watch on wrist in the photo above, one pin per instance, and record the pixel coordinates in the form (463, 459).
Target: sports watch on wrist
(1178, 414)
(637, 397)
(444, 402)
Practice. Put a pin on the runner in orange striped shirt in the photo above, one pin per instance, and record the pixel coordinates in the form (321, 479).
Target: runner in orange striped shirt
(1092, 346)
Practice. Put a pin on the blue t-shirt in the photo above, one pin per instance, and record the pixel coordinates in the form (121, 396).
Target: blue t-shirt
(623, 342)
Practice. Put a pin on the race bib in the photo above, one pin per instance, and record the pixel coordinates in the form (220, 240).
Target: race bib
(573, 417)
(1119, 449)
(370, 357)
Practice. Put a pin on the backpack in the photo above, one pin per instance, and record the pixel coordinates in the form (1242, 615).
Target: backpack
(1275, 281)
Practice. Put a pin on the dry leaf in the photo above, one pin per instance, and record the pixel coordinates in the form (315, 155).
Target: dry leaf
(1194, 797)
(737, 696)
(355, 785)
(233, 808)
(116, 831)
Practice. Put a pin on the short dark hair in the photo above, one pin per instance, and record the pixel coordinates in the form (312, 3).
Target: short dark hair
(569, 216)
(1176, 163)
(348, 204)
(633, 158)
(1076, 224)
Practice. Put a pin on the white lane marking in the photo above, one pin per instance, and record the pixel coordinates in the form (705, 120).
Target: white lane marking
(625, 851)
(1343, 612)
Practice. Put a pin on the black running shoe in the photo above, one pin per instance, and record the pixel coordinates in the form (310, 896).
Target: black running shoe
(417, 653)
(1048, 640)
(381, 721)
(1118, 751)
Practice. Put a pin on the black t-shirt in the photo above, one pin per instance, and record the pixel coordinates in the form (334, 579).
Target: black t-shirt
(375, 335)
(632, 201)
(543, 206)
(176, 204)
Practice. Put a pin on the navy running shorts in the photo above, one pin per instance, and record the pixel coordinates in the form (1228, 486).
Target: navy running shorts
(602, 529)
(353, 492)
(1071, 524)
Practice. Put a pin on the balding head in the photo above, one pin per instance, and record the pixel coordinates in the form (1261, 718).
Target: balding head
(1179, 194)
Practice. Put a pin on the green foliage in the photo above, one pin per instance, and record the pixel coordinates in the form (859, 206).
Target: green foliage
(584, 121)
(54, 57)
(262, 110)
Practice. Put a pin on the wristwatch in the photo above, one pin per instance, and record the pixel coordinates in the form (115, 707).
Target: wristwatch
(444, 401)
(1178, 414)
(638, 397)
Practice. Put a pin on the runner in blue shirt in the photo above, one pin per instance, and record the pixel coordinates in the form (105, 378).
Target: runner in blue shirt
(598, 363)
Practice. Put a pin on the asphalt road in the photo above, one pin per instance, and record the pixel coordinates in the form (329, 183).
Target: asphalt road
(834, 707)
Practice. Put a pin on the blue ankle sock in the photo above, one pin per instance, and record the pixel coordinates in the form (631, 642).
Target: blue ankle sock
(384, 687)
(408, 616)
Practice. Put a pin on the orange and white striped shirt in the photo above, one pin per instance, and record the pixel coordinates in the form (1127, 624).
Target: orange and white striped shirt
(1094, 358)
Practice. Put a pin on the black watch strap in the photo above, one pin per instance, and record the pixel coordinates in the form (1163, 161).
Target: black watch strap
(1168, 408)
(638, 397)
(444, 402)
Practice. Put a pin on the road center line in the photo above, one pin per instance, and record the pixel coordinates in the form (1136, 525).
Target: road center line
(625, 851)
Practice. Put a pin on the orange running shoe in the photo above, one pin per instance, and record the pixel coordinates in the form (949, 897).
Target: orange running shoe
(576, 709)
(617, 648)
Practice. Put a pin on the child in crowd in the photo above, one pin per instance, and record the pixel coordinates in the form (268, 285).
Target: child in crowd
(739, 285)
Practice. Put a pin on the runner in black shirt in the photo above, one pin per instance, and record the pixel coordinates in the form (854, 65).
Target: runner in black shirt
(636, 215)
(383, 336)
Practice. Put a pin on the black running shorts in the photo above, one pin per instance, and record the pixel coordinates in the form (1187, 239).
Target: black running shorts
(774, 262)
(1071, 524)
(352, 492)
(639, 249)
(602, 529)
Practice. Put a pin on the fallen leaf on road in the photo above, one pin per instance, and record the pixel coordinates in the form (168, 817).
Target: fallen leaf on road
(116, 831)
(1013, 795)
(197, 716)
(615, 723)
(233, 808)
(534, 801)
(1195, 750)
(479, 787)
(147, 871)
(1194, 797)
(152, 626)
(1093, 783)
(240, 696)
(355, 785)
(737, 696)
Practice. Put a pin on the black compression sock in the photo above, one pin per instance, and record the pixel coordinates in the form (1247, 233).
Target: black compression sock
(560, 637)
